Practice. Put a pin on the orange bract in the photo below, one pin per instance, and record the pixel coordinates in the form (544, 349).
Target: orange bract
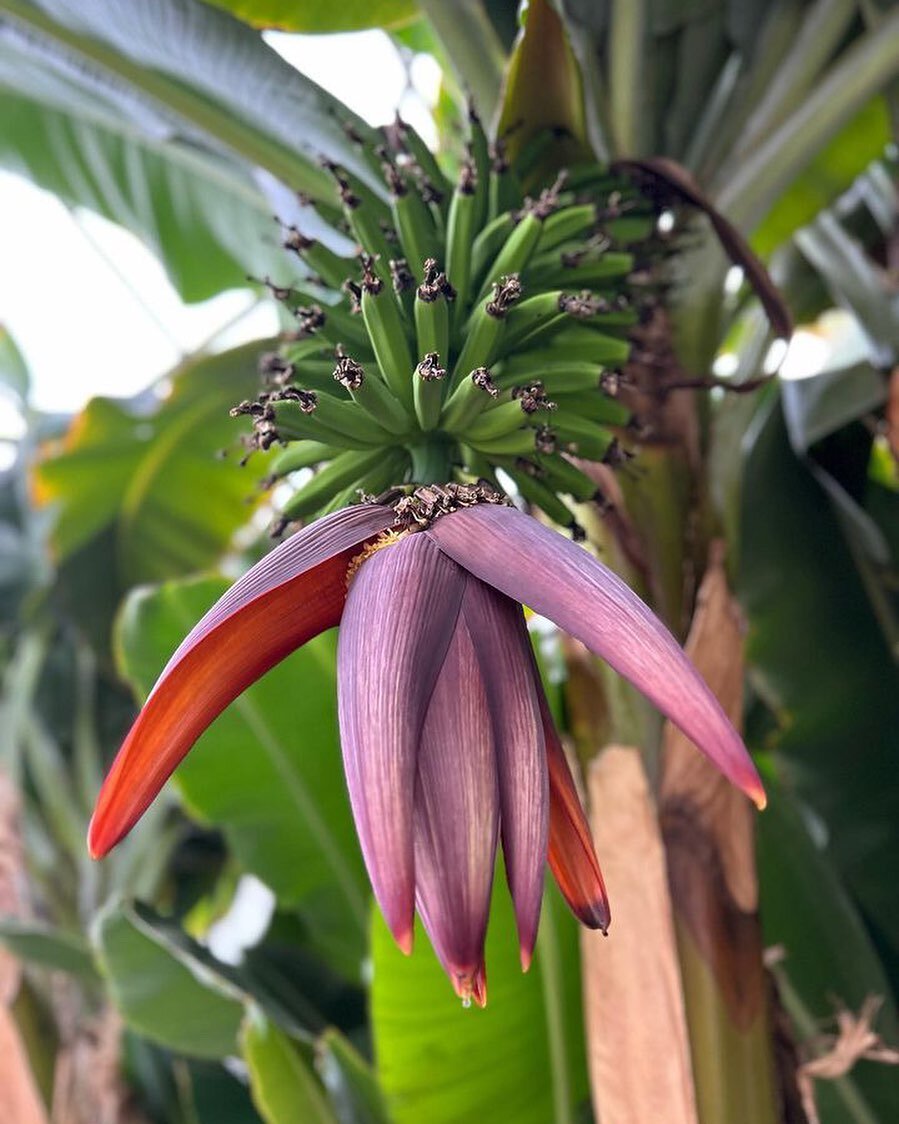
(199, 687)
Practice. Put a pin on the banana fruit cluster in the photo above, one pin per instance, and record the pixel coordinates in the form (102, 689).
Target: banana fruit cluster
(481, 327)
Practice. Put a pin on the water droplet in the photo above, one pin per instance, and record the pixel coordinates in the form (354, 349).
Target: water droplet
(466, 1001)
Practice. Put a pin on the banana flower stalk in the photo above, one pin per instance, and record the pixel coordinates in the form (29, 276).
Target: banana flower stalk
(448, 746)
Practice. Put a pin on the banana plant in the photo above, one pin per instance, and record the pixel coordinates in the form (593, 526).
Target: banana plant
(532, 316)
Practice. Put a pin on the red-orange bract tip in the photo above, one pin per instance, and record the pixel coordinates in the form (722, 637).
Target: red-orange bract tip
(755, 790)
(479, 987)
(97, 847)
(527, 955)
(405, 941)
(471, 986)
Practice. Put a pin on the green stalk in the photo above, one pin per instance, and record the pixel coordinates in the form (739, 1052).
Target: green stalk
(473, 47)
(721, 126)
(431, 463)
(626, 75)
(658, 503)
(862, 71)
(823, 27)
(551, 981)
(733, 1069)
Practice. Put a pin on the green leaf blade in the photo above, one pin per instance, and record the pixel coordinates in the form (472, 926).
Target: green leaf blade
(322, 15)
(440, 1063)
(283, 1087)
(158, 995)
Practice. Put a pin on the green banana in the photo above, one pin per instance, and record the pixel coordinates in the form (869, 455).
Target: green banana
(424, 159)
(559, 376)
(581, 438)
(386, 330)
(461, 226)
(537, 494)
(371, 395)
(489, 243)
(427, 390)
(594, 406)
(344, 470)
(562, 476)
(321, 259)
(565, 225)
(302, 454)
(414, 222)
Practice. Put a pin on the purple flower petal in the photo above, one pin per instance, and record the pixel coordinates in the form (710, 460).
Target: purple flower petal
(504, 653)
(293, 594)
(555, 577)
(313, 544)
(400, 614)
(457, 816)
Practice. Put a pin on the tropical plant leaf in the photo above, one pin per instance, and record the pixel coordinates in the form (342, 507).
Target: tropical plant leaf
(818, 406)
(520, 1059)
(754, 184)
(48, 948)
(283, 1085)
(856, 282)
(13, 370)
(821, 664)
(156, 480)
(816, 410)
(158, 995)
(322, 15)
(215, 1096)
(471, 46)
(201, 214)
(831, 172)
(133, 942)
(829, 957)
(183, 69)
(268, 771)
(350, 1081)
(308, 989)
(286, 1006)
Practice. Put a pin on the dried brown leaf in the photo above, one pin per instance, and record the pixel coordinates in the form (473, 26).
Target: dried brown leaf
(637, 1042)
(855, 1041)
(20, 1100)
(708, 825)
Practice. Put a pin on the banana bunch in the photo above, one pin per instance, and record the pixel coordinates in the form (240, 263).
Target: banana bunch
(479, 329)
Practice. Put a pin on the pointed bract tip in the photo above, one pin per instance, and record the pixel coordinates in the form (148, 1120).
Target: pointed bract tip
(759, 797)
(479, 986)
(596, 916)
(471, 985)
(405, 939)
(527, 955)
(98, 843)
(463, 985)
